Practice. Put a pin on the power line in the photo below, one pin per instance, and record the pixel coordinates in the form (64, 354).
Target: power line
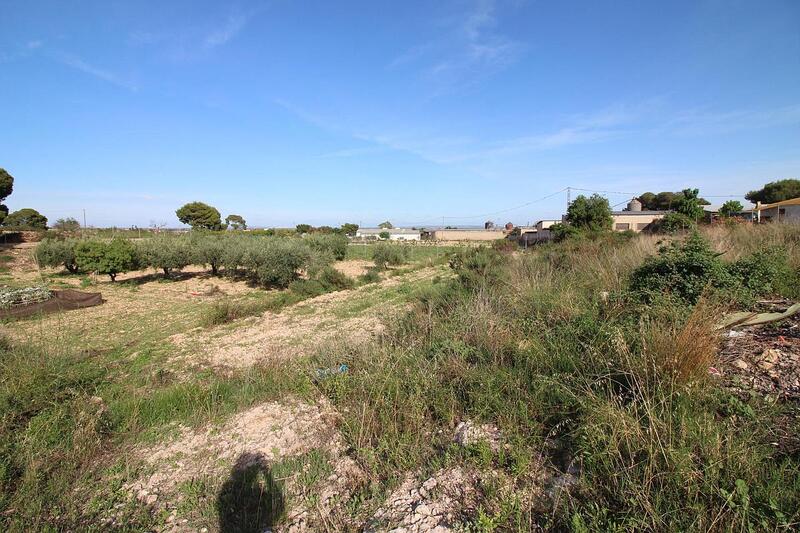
(526, 204)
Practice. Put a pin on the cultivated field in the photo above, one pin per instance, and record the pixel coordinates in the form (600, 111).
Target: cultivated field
(579, 385)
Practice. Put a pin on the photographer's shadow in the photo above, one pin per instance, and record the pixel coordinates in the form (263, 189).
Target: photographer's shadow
(250, 500)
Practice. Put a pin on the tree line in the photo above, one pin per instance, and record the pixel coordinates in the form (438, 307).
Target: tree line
(593, 213)
(267, 261)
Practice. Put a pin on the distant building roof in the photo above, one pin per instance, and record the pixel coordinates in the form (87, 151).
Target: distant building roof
(791, 201)
(393, 231)
(639, 213)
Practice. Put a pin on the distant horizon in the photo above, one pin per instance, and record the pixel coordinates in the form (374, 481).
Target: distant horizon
(327, 113)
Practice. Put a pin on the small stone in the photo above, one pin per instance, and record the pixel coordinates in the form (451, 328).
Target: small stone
(151, 499)
(740, 364)
(769, 357)
(424, 510)
(204, 530)
(430, 484)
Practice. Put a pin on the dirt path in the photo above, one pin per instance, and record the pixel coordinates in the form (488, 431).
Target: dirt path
(352, 316)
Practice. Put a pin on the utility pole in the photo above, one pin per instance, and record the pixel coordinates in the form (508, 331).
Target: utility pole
(84, 222)
(569, 196)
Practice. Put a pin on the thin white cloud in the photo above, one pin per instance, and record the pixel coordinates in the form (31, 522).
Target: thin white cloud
(699, 122)
(79, 64)
(469, 49)
(353, 152)
(232, 26)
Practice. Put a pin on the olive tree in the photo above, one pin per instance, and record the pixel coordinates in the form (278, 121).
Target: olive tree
(165, 252)
(55, 253)
(211, 250)
(111, 258)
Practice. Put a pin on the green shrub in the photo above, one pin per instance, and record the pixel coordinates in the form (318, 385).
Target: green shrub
(681, 269)
(385, 255)
(687, 269)
(165, 252)
(110, 258)
(562, 232)
(55, 253)
(224, 311)
(336, 245)
(505, 245)
(307, 288)
(673, 223)
(764, 272)
(334, 280)
(477, 267)
(372, 275)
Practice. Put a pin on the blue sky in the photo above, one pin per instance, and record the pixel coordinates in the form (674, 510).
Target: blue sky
(328, 112)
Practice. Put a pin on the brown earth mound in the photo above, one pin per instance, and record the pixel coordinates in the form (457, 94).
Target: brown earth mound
(61, 301)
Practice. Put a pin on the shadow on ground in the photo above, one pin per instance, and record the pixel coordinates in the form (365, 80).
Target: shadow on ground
(250, 499)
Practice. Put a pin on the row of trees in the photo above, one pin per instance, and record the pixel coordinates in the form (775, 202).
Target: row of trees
(25, 218)
(594, 214)
(775, 191)
(199, 215)
(345, 229)
(268, 261)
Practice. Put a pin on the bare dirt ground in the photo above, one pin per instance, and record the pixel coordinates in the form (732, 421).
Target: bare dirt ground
(351, 316)
(142, 307)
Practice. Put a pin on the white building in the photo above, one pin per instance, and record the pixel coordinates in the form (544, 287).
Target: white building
(785, 211)
(395, 234)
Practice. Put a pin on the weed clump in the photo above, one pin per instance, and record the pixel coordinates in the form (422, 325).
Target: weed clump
(686, 270)
(385, 255)
(478, 267)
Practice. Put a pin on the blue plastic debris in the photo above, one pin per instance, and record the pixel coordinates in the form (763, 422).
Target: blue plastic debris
(323, 373)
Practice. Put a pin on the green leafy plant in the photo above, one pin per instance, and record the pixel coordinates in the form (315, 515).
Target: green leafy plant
(335, 245)
(111, 258)
(592, 213)
(385, 255)
(730, 208)
(55, 253)
(26, 218)
(200, 216)
(775, 191)
(165, 252)
(674, 223)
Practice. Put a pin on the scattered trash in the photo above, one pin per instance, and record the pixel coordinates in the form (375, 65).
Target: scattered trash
(736, 320)
(734, 334)
(324, 373)
(468, 433)
(714, 372)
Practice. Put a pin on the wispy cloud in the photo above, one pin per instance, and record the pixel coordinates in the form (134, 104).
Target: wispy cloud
(703, 122)
(353, 152)
(227, 31)
(189, 43)
(79, 64)
(469, 49)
